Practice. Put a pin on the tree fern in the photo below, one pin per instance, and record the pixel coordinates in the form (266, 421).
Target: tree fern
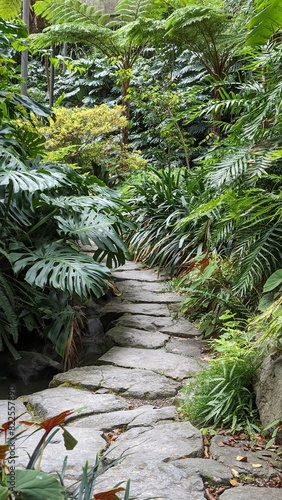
(69, 11)
(128, 11)
(10, 9)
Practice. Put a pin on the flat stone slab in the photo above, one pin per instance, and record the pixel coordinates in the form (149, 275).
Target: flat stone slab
(89, 443)
(128, 307)
(131, 337)
(128, 286)
(51, 402)
(141, 295)
(135, 275)
(252, 493)
(185, 347)
(153, 480)
(159, 361)
(12, 408)
(136, 383)
(163, 442)
(209, 470)
(260, 463)
(129, 266)
(138, 417)
(178, 327)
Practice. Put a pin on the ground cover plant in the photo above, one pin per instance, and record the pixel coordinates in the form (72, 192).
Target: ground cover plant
(31, 482)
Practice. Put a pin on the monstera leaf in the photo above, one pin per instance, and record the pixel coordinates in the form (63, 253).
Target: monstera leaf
(60, 267)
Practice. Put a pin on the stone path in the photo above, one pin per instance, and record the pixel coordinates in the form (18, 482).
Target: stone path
(128, 400)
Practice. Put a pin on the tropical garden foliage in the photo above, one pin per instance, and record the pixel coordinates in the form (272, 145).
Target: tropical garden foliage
(199, 87)
(47, 210)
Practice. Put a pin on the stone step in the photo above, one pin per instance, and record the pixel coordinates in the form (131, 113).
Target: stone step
(136, 275)
(132, 337)
(142, 416)
(165, 324)
(165, 442)
(171, 365)
(48, 403)
(123, 307)
(251, 493)
(138, 383)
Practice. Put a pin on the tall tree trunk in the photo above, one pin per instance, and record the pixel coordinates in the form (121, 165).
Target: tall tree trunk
(24, 56)
(52, 79)
(126, 105)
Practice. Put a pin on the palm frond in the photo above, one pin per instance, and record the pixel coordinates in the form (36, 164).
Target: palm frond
(257, 249)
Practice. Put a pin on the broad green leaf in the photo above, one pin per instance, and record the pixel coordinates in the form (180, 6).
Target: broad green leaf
(32, 485)
(273, 281)
(4, 492)
(266, 22)
(60, 267)
(69, 440)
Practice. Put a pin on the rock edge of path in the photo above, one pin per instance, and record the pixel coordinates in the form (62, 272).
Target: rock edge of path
(127, 405)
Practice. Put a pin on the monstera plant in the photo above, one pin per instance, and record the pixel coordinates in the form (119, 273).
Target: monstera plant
(46, 211)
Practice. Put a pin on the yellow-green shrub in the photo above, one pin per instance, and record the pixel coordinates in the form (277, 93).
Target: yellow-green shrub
(90, 139)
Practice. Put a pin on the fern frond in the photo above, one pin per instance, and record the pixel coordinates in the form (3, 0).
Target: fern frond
(69, 11)
(86, 34)
(9, 10)
(128, 11)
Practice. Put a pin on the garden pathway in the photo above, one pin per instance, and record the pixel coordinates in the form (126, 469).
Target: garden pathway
(129, 399)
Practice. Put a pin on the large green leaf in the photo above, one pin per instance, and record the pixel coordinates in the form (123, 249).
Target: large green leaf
(88, 225)
(60, 267)
(32, 485)
(4, 492)
(266, 21)
(14, 172)
(273, 281)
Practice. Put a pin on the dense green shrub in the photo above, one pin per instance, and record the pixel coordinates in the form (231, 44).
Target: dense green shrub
(221, 395)
(90, 139)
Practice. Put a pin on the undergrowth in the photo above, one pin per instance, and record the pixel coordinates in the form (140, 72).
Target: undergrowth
(221, 395)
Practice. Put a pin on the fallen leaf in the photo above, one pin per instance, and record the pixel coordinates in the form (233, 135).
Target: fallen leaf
(233, 482)
(220, 443)
(256, 465)
(108, 495)
(234, 473)
(239, 458)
